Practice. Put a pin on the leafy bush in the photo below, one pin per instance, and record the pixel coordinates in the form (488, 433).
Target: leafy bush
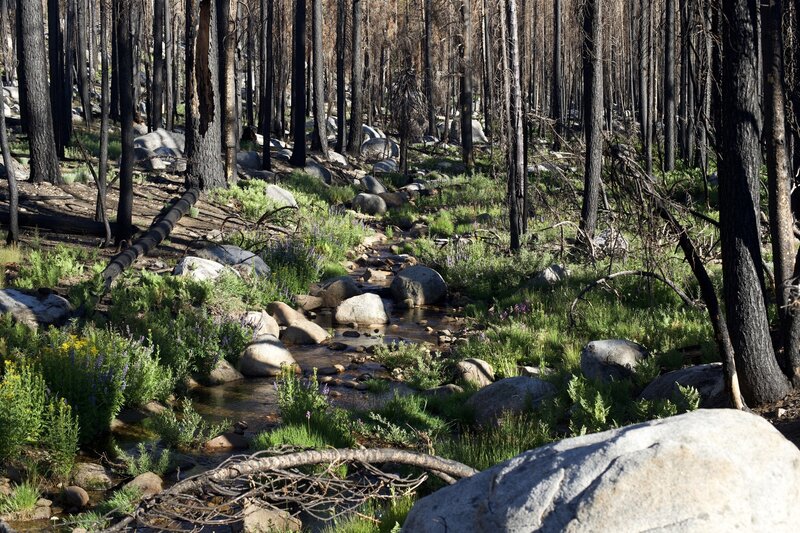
(421, 369)
(442, 224)
(60, 438)
(187, 430)
(411, 411)
(302, 402)
(299, 435)
(48, 268)
(145, 460)
(23, 400)
(171, 313)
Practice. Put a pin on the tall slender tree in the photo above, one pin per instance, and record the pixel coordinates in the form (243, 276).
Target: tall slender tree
(41, 137)
(354, 134)
(669, 86)
(428, 43)
(159, 64)
(267, 16)
(341, 83)
(740, 158)
(516, 157)
(298, 158)
(592, 113)
(124, 37)
(319, 138)
(558, 78)
(227, 13)
(465, 96)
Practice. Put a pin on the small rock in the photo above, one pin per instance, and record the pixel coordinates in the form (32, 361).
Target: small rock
(550, 276)
(304, 332)
(508, 396)
(365, 309)
(476, 372)
(443, 391)
(612, 359)
(331, 370)
(369, 204)
(351, 333)
(200, 269)
(338, 290)
(264, 357)
(262, 323)
(372, 185)
(284, 314)
(258, 519)
(148, 483)
(361, 386)
(35, 308)
(231, 255)
(280, 196)
(75, 496)
(707, 379)
(337, 346)
(91, 476)
(419, 284)
(307, 302)
(228, 441)
(223, 372)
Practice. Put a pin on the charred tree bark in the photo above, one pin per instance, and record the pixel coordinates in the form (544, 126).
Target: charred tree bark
(742, 273)
(124, 37)
(431, 108)
(354, 135)
(319, 138)
(516, 156)
(298, 158)
(102, 171)
(82, 66)
(558, 78)
(780, 180)
(465, 96)
(644, 84)
(267, 15)
(592, 113)
(13, 192)
(204, 168)
(341, 98)
(170, 70)
(669, 86)
(41, 137)
(159, 64)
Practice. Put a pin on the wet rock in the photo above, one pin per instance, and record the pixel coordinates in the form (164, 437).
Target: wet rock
(351, 334)
(361, 386)
(337, 290)
(148, 484)
(304, 332)
(331, 370)
(258, 519)
(337, 346)
(612, 359)
(707, 379)
(91, 476)
(200, 269)
(262, 323)
(379, 149)
(223, 372)
(662, 475)
(75, 496)
(280, 196)
(418, 285)
(231, 255)
(264, 358)
(40, 308)
(508, 396)
(372, 185)
(228, 441)
(475, 372)
(284, 314)
(364, 309)
(550, 276)
(369, 204)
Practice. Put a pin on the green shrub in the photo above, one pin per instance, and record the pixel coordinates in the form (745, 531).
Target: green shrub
(299, 435)
(185, 431)
(22, 500)
(145, 460)
(121, 503)
(23, 400)
(171, 313)
(485, 448)
(442, 224)
(60, 438)
(411, 411)
(48, 268)
(421, 369)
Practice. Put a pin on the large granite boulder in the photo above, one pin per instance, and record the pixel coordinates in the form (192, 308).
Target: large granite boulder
(366, 309)
(280, 196)
(508, 396)
(379, 149)
(707, 379)
(709, 470)
(337, 290)
(33, 309)
(369, 204)
(264, 358)
(611, 359)
(231, 255)
(418, 285)
(200, 269)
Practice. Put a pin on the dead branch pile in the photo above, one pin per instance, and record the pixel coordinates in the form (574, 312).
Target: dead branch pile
(322, 484)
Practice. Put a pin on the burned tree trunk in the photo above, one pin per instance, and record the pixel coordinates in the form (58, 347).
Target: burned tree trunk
(298, 158)
(516, 156)
(354, 135)
(592, 113)
(319, 138)
(124, 38)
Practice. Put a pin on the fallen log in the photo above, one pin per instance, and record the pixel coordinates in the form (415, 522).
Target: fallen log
(159, 231)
